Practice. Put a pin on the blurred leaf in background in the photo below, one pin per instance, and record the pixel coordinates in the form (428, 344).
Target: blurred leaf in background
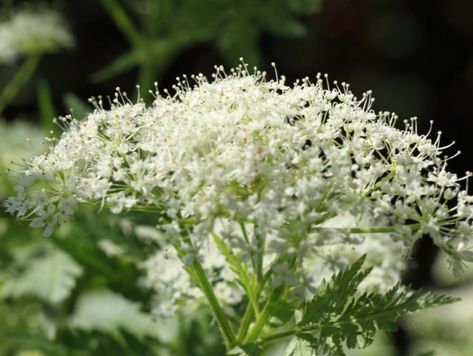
(49, 275)
(157, 31)
(446, 330)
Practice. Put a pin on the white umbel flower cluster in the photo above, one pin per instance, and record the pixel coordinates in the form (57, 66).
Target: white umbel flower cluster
(32, 31)
(301, 180)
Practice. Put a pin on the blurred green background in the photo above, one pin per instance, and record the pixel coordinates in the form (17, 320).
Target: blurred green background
(79, 292)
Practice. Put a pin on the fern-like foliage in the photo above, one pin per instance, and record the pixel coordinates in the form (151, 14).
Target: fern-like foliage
(338, 317)
(299, 347)
(111, 313)
(49, 277)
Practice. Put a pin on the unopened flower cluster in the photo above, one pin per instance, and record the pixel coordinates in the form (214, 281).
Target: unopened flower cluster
(299, 179)
(30, 31)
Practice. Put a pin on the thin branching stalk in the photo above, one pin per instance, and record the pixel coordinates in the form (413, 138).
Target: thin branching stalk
(19, 80)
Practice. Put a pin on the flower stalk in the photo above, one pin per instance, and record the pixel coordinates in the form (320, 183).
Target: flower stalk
(217, 311)
(18, 81)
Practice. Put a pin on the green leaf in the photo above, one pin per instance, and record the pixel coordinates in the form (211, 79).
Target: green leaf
(338, 316)
(284, 310)
(299, 347)
(335, 294)
(108, 312)
(50, 277)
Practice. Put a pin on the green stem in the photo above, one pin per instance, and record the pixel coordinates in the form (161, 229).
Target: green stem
(289, 332)
(259, 262)
(217, 310)
(245, 323)
(247, 239)
(264, 316)
(367, 230)
(372, 230)
(280, 335)
(18, 81)
(252, 310)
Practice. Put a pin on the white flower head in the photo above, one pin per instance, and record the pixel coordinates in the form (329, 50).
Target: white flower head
(32, 31)
(307, 177)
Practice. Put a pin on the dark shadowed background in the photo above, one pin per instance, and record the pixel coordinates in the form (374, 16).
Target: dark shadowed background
(416, 56)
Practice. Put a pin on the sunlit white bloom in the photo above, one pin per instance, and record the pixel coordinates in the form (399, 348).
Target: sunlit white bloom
(298, 180)
(32, 32)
